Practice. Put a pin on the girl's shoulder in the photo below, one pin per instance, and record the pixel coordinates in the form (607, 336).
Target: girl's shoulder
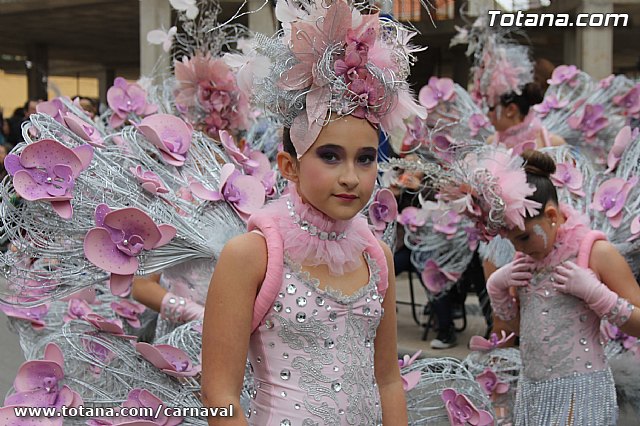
(248, 250)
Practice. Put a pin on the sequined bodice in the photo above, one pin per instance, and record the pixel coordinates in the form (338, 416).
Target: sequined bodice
(560, 335)
(312, 356)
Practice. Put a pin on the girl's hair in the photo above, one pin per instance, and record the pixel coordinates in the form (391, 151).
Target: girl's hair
(531, 95)
(538, 167)
(287, 144)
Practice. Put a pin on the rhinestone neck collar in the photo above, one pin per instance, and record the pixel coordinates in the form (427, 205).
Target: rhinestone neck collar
(311, 229)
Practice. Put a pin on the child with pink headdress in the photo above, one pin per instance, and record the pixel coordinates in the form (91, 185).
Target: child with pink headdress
(308, 295)
(564, 279)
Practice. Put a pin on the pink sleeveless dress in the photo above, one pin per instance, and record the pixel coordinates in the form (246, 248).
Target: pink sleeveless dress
(565, 379)
(312, 349)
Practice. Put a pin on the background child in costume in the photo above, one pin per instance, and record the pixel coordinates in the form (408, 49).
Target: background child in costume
(320, 346)
(567, 278)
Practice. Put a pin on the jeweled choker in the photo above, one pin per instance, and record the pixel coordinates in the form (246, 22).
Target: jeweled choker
(312, 229)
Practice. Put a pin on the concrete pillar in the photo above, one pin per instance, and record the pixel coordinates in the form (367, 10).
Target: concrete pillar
(37, 65)
(154, 14)
(595, 44)
(570, 50)
(263, 21)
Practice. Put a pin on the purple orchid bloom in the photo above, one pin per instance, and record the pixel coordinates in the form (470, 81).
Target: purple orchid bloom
(99, 352)
(562, 74)
(383, 210)
(106, 325)
(479, 343)
(46, 170)
(474, 236)
(590, 121)
(170, 134)
(245, 194)
(568, 176)
(478, 121)
(38, 383)
(445, 221)
(368, 93)
(84, 130)
(412, 218)
(610, 198)
(491, 383)
(351, 67)
(117, 240)
(412, 378)
(169, 359)
(149, 181)
(127, 100)
(461, 410)
(630, 101)
(437, 90)
(634, 227)
(549, 103)
(129, 310)
(436, 279)
(407, 360)
(622, 140)
(35, 314)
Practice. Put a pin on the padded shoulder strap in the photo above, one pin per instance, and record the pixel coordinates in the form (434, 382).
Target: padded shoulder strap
(585, 247)
(275, 265)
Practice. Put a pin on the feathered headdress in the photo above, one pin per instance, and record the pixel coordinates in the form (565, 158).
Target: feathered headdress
(500, 65)
(334, 59)
(490, 186)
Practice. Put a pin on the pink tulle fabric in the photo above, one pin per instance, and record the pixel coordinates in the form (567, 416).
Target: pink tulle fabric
(568, 238)
(340, 256)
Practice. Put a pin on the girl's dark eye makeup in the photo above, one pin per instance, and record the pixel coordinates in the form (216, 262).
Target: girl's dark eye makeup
(328, 154)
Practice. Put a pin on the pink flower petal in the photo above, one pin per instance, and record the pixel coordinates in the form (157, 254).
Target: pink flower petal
(134, 221)
(102, 252)
(120, 285)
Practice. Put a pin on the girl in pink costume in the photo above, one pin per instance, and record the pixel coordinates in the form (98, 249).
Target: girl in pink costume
(308, 295)
(563, 281)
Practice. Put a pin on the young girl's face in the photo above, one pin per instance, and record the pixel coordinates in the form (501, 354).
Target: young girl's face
(337, 174)
(537, 238)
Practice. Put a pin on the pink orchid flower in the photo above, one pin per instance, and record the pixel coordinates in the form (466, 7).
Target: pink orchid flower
(436, 91)
(416, 134)
(369, 95)
(127, 101)
(622, 140)
(237, 156)
(563, 74)
(549, 103)
(630, 101)
(107, 325)
(412, 378)
(170, 134)
(54, 108)
(590, 121)
(491, 383)
(84, 130)
(245, 194)
(99, 352)
(436, 279)
(383, 210)
(478, 121)
(149, 181)
(351, 67)
(474, 237)
(407, 360)
(461, 410)
(412, 218)
(445, 221)
(169, 359)
(611, 196)
(634, 228)
(479, 343)
(567, 175)
(35, 314)
(46, 170)
(139, 398)
(77, 309)
(117, 240)
(129, 310)
(38, 383)
(606, 82)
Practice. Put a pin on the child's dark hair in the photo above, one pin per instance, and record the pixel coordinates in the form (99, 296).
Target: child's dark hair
(531, 95)
(287, 144)
(539, 167)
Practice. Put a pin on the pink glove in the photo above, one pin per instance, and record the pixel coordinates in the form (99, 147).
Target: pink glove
(514, 274)
(582, 283)
(180, 310)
